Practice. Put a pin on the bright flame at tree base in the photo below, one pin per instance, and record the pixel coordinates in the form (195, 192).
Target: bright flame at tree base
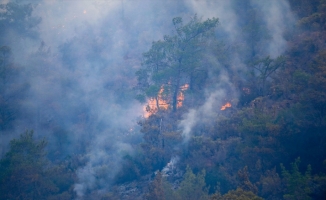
(227, 105)
(158, 103)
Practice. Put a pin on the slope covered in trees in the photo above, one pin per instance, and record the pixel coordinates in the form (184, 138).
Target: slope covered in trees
(235, 115)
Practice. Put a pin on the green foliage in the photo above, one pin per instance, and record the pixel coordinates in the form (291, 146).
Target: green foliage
(282, 114)
(315, 19)
(130, 170)
(245, 182)
(301, 77)
(193, 187)
(172, 62)
(156, 190)
(25, 172)
(238, 194)
(169, 192)
(259, 133)
(319, 186)
(22, 170)
(271, 185)
(152, 146)
(203, 152)
(298, 186)
(265, 68)
(159, 141)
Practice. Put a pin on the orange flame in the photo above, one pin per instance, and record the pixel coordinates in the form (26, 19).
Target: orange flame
(180, 100)
(151, 106)
(181, 96)
(162, 104)
(184, 87)
(227, 105)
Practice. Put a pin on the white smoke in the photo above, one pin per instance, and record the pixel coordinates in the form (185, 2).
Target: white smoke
(210, 109)
(170, 166)
(278, 17)
(90, 46)
(188, 122)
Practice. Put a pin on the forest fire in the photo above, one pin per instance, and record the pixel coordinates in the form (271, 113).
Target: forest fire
(158, 101)
(155, 104)
(181, 96)
(227, 105)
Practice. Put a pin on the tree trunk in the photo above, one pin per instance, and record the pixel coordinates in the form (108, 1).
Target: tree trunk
(175, 98)
(175, 93)
(157, 103)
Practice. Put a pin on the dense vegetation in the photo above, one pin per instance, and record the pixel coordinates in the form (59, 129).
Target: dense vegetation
(271, 144)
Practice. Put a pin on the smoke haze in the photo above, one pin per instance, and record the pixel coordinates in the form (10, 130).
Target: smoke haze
(78, 59)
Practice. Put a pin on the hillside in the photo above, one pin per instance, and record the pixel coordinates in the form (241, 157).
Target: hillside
(188, 100)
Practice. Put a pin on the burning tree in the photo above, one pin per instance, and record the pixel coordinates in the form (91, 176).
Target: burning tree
(171, 62)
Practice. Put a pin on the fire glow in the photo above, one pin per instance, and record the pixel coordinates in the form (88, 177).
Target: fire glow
(158, 103)
(227, 105)
(181, 96)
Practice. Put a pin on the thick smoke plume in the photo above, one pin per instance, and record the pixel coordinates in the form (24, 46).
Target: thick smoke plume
(77, 61)
(272, 14)
(210, 109)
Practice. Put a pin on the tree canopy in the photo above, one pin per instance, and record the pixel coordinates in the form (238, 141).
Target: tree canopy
(255, 123)
(173, 61)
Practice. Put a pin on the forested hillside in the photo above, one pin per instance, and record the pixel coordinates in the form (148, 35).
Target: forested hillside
(163, 100)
